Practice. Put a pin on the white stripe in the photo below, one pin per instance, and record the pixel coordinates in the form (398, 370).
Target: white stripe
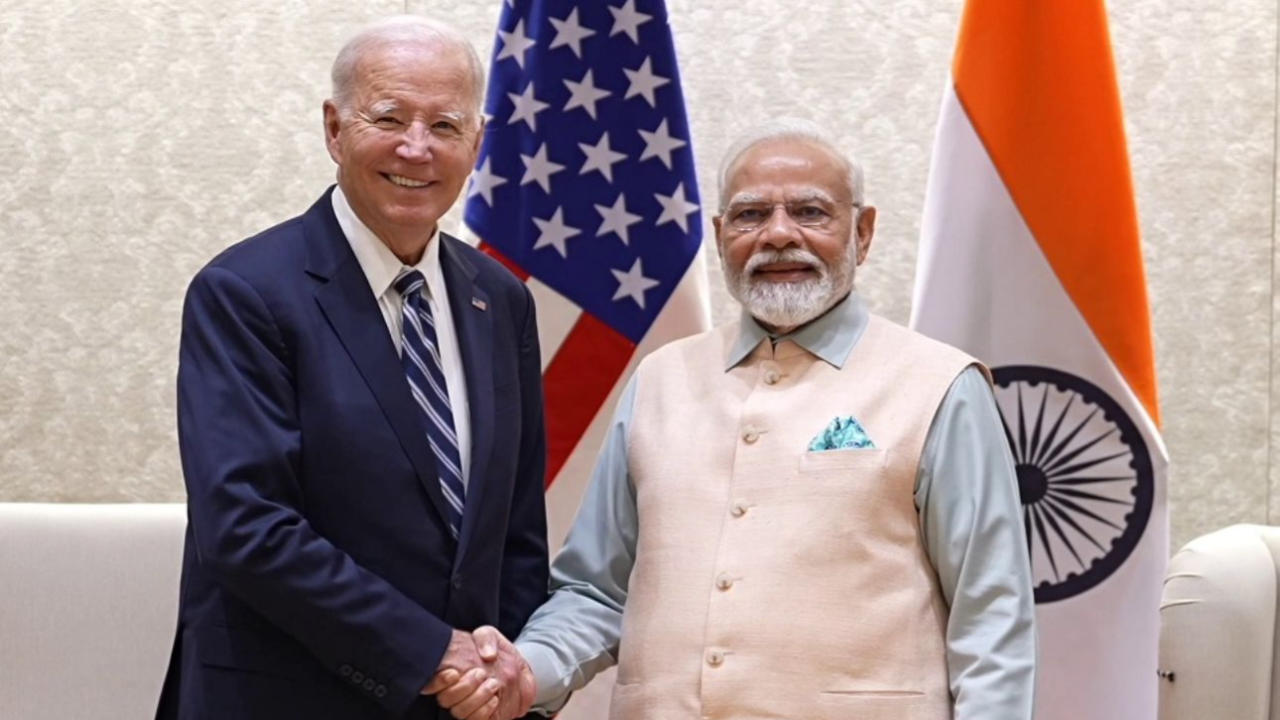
(557, 315)
(444, 458)
(426, 316)
(432, 414)
(422, 336)
(439, 391)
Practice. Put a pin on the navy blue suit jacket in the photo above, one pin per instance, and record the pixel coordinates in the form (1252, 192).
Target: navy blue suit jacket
(319, 578)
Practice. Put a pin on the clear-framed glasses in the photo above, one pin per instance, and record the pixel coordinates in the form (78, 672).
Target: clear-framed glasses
(811, 213)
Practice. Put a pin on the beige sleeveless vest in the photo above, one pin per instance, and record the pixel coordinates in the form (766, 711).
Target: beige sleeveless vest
(770, 581)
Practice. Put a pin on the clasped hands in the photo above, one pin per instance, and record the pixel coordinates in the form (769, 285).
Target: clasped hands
(483, 677)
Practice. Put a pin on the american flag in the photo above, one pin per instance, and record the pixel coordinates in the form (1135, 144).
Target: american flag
(585, 188)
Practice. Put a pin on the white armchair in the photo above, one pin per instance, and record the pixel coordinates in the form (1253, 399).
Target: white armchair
(88, 608)
(1218, 629)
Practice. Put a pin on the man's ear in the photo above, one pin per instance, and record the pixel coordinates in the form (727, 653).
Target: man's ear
(866, 229)
(332, 128)
(715, 224)
(479, 140)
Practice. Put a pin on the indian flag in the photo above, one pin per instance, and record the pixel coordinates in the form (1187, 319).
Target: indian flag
(1030, 261)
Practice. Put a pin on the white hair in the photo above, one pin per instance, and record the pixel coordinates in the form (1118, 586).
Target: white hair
(791, 129)
(405, 29)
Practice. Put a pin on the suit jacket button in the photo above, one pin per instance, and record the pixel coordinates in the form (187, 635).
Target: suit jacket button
(380, 691)
(357, 677)
(345, 671)
(369, 684)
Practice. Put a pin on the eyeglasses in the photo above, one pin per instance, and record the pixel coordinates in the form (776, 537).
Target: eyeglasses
(814, 214)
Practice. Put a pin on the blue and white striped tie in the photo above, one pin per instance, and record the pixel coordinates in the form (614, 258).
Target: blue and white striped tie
(420, 356)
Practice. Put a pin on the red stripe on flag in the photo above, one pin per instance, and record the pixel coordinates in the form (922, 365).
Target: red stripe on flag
(515, 269)
(577, 382)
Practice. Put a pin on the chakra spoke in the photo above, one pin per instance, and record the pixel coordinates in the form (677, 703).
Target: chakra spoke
(1053, 454)
(1057, 425)
(1026, 527)
(1079, 509)
(1087, 464)
(1082, 495)
(1044, 543)
(1092, 480)
(1035, 431)
(1063, 460)
(1057, 529)
(1066, 518)
(1022, 428)
(1008, 436)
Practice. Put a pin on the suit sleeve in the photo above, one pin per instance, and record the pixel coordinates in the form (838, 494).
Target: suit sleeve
(524, 566)
(240, 443)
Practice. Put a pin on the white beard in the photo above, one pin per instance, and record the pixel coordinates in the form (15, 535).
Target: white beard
(791, 304)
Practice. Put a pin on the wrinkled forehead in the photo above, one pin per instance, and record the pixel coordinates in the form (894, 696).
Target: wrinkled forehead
(425, 65)
(788, 169)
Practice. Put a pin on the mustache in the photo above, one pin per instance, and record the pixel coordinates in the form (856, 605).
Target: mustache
(787, 255)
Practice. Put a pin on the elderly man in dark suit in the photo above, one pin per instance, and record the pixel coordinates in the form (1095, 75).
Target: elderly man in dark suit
(360, 422)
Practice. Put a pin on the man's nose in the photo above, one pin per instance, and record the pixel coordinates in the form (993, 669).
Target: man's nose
(779, 230)
(415, 143)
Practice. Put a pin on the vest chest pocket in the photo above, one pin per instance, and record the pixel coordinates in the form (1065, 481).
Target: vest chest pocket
(835, 461)
(853, 481)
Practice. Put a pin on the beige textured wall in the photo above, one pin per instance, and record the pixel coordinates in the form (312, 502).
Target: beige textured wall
(138, 138)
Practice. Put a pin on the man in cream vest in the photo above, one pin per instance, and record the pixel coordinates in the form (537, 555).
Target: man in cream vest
(810, 513)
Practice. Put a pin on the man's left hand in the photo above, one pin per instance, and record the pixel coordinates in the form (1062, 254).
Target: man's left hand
(505, 690)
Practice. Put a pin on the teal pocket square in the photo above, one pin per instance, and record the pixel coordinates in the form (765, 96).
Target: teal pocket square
(843, 433)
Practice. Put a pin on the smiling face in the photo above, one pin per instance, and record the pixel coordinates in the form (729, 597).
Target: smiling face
(406, 139)
(786, 235)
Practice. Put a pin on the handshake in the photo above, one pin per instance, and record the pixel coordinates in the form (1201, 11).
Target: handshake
(483, 677)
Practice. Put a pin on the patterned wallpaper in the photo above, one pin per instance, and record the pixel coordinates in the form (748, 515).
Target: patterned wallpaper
(139, 138)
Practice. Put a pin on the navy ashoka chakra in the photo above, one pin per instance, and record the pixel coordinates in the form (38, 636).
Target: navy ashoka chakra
(1084, 475)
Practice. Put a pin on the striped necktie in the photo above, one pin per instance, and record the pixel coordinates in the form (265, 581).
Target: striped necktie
(420, 356)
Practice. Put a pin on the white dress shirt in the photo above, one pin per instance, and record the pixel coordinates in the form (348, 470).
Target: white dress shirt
(381, 267)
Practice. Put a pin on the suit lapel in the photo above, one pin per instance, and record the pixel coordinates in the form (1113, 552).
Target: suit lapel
(352, 311)
(473, 322)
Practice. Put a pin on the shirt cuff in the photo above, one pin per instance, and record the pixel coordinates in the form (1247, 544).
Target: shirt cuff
(553, 692)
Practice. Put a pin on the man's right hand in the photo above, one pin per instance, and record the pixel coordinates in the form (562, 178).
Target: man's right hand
(483, 677)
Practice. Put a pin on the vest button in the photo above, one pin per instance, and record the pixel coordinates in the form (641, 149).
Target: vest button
(750, 436)
(738, 510)
(771, 377)
(715, 658)
(724, 582)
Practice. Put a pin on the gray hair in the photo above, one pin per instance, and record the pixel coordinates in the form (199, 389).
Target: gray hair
(791, 129)
(401, 28)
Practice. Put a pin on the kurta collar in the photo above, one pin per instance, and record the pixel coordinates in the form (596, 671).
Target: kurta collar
(831, 336)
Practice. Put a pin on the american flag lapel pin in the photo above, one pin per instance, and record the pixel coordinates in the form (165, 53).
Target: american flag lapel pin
(479, 304)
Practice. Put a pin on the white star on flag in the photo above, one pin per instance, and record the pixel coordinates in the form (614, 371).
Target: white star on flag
(626, 19)
(483, 181)
(514, 44)
(659, 144)
(554, 233)
(644, 82)
(616, 220)
(585, 94)
(600, 157)
(539, 169)
(676, 208)
(632, 283)
(527, 107)
(570, 32)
